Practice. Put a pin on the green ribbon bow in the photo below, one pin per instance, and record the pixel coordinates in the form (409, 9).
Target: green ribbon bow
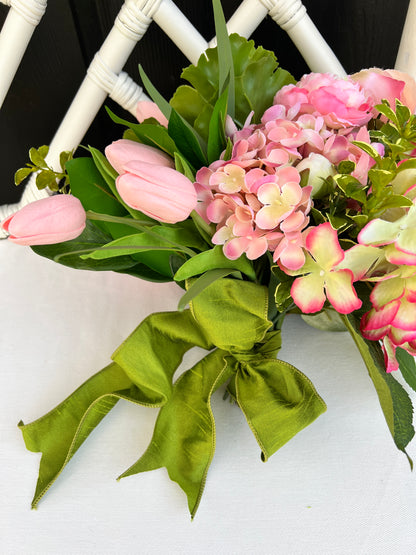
(229, 318)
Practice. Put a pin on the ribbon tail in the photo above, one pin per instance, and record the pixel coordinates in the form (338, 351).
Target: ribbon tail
(60, 433)
(184, 435)
(142, 373)
(277, 400)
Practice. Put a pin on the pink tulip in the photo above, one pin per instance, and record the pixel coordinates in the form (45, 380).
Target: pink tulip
(146, 109)
(47, 221)
(389, 84)
(123, 151)
(160, 192)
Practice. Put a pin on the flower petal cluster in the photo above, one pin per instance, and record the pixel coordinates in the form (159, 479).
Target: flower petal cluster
(255, 209)
(392, 318)
(322, 277)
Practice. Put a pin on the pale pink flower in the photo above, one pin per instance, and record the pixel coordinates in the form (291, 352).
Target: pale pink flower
(123, 151)
(158, 191)
(341, 102)
(146, 109)
(389, 84)
(47, 221)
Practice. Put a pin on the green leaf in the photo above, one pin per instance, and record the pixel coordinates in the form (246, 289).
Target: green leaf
(92, 238)
(182, 166)
(370, 150)
(148, 134)
(185, 137)
(89, 186)
(37, 156)
(251, 67)
(395, 201)
(21, 174)
(211, 260)
(225, 57)
(216, 133)
(346, 167)
(394, 400)
(407, 366)
(46, 178)
(64, 157)
(202, 283)
(327, 320)
(154, 94)
(387, 111)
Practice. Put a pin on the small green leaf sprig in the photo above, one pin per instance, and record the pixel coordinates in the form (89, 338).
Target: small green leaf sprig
(46, 176)
(350, 205)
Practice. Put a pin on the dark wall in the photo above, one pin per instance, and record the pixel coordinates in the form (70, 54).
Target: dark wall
(363, 33)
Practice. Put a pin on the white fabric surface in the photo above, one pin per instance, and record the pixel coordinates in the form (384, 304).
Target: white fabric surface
(339, 487)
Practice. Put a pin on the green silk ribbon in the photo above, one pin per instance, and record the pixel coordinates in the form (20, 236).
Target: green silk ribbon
(229, 319)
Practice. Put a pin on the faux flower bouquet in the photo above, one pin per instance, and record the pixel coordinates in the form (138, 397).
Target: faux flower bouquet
(260, 197)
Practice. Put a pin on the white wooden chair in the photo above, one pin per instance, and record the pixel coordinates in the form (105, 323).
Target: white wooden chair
(105, 77)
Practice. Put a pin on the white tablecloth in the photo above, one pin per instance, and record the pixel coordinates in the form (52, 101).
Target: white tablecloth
(339, 487)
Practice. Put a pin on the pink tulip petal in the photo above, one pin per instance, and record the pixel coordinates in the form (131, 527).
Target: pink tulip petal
(51, 220)
(308, 293)
(340, 292)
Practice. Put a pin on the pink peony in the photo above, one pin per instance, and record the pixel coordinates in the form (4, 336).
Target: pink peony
(342, 102)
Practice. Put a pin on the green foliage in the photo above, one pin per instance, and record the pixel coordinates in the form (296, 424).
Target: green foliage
(210, 260)
(394, 400)
(407, 366)
(149, 134)
(257, 79)
(46, 176)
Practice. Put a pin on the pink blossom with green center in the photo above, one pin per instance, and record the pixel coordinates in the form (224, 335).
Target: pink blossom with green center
(320, 277)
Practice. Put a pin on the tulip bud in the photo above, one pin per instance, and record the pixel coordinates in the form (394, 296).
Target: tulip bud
(47, 221)
(159, 192)
(123, 151)
(147, 109)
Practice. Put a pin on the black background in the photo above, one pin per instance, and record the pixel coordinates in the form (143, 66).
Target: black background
(362, 33)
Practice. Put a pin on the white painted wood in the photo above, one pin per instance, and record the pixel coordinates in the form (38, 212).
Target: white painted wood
(179, 29)
(291, 16)
(247, 18)
(406, 57)
(17, 30)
